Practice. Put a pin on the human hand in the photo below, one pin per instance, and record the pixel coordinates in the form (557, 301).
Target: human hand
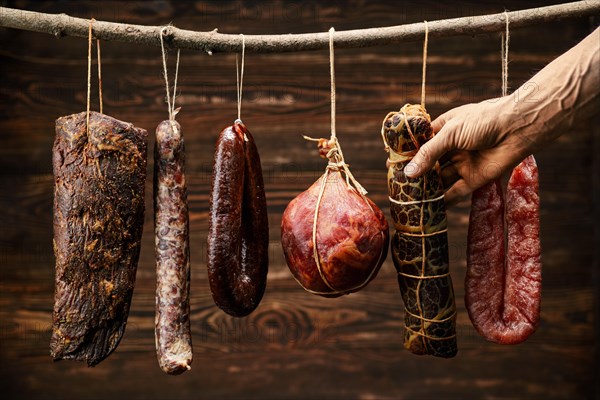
(475, 143)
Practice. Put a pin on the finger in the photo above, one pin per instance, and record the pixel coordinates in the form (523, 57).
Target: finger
(457, 193)
(449, 175)
(445, 160)
(440, 121)
(429, 153)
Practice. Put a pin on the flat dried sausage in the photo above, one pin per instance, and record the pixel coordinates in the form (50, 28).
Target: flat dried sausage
(503, 297)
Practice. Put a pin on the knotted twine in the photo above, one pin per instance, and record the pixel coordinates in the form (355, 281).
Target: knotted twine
(170, 104)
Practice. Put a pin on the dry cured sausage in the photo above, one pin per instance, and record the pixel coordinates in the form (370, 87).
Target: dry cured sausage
(420, 244)
(238, 235)
(503, 295)
(171, 229)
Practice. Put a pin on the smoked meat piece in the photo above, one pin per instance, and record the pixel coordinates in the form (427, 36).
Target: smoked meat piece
(99, 181)
(420, 243)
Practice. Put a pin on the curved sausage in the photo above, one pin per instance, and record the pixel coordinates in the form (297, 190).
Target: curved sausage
(238, 233)
(171, 228)
(503, 297)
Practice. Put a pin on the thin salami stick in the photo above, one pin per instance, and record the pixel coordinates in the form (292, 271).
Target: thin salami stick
(238, 236)
(503, 294)
(171, 228)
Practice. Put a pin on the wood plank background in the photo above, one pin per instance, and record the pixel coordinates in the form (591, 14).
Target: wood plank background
(296, 345)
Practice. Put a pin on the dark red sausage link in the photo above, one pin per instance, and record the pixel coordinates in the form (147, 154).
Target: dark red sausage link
(503, 297)
(238, 234)
(171, 228)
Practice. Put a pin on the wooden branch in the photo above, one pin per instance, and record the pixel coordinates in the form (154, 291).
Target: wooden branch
(65, 25)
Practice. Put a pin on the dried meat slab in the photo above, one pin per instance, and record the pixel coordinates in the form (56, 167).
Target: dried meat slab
(99, 182)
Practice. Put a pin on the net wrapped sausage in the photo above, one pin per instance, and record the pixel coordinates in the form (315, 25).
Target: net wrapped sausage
(99, 181)
(420, 244)
(503, 295)
(238, 233)
(171, 228)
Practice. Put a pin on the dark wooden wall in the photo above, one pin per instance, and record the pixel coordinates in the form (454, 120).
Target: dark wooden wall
(296, 345)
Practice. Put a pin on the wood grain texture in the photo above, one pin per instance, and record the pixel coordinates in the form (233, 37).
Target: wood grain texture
(295, 346)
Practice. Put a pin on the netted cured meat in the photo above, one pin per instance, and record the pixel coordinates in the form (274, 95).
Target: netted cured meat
(420, 244)
(334, 238)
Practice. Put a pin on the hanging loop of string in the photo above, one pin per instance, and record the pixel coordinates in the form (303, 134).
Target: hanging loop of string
(99, 74)
(89, 75)
(170, 104)
(239, 73)
(504, 55)
(425, 43)
(89, 78)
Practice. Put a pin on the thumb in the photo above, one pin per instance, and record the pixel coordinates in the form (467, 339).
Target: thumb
(428, 154)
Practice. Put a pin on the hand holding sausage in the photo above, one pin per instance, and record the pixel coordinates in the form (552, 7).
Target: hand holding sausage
(479, 142)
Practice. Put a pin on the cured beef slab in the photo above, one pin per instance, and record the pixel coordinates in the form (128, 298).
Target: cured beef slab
(99, 179)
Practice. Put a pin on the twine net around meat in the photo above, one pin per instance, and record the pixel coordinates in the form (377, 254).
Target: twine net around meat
(416, 112)
(336, 164)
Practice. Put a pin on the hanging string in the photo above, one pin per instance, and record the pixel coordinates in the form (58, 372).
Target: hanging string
(170, 103)
(89, 77)
(99, 74)
(175, 84)
(504, 56)
(332, 73)
(336, 164)
(164, 60)
(240, 79)
(425, 43)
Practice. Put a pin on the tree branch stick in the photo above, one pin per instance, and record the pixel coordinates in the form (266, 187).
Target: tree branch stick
(211, 42)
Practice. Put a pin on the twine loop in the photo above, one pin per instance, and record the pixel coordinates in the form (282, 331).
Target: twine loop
(164, 31)
(425, 43)
(504, 55)
(89, 75)
(239, 74)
